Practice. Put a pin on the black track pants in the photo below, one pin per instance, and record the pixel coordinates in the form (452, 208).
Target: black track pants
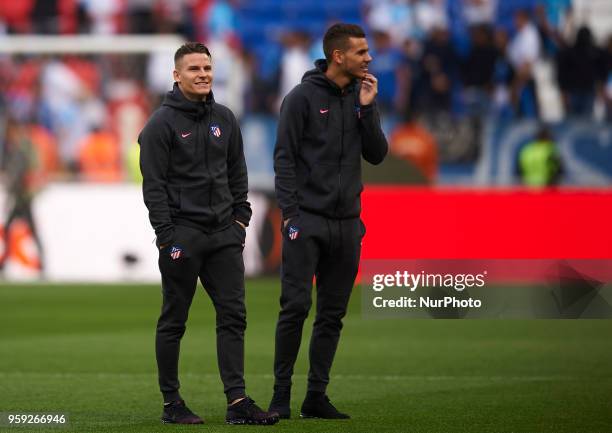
(328, 249)
(216, 259)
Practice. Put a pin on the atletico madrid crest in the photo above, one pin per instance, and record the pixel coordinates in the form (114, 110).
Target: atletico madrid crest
(293, 232)
(175, 253)
(215, 130)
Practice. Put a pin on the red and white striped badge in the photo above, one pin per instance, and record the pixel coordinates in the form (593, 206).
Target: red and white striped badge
(215, 130)
(175, 253)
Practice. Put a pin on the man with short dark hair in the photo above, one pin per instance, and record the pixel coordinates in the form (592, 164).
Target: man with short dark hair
(327, 124)
(195, 187)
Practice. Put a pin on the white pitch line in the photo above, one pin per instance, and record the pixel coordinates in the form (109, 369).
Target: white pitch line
(351, 377)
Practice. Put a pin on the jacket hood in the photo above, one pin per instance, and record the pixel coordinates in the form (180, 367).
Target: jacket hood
(317, 77)
(175, 99)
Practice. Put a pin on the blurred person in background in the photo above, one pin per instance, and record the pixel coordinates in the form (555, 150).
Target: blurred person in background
(403, 19)
(408, 75)
(479, 12)
(387, 70)
(430, 15)
(231, 76)
(478, 70)
(159, 81)
(550, 37)
(169, 17)
(24, 178)
(412, 142)
(219, 21)
(438, 66)
(579, 74)
(397, 17)
(99, 157)
(540, 164)
(102, 16)
(175, 16)
(261, 88)
(556, 11)
(295, 60)
(139, 16)
(61, 93)
(45, 17)
(132, 163)
(503, 77)
(523, 52)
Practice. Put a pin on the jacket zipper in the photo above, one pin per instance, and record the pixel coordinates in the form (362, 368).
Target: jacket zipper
(207, 142)
(340, 157)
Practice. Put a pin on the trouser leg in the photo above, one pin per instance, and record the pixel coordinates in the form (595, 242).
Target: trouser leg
(222, 275)
(299, 259)
(335, 278)
(179, 278)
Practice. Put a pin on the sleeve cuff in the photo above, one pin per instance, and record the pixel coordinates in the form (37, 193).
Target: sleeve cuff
(290, 212)
(164, 238)
(243, 217)
(366, 110)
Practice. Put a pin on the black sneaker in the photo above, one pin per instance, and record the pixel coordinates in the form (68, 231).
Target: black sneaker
(320, 407)
(280, 403)
(247, 412)
(177, 412)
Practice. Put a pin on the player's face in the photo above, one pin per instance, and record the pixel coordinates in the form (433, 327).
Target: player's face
(194, 76)
(356, 58)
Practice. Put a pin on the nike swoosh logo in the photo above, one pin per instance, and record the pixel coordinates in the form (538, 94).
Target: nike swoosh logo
(186, 135)
(322, 111)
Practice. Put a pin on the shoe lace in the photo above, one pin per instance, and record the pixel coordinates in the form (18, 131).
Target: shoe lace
(180, 409)
(251, 407)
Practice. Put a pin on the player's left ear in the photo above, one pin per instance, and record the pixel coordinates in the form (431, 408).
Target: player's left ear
(338, 57)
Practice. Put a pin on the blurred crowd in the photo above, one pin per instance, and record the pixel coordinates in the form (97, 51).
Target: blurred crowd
(463, 58)
(490, 67)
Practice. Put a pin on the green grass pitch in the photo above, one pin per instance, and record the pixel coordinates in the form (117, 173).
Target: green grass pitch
(89, 351)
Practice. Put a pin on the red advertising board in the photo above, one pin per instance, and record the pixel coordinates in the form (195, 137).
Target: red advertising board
(408, 222)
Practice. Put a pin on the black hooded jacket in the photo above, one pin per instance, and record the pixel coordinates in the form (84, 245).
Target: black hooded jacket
(322, 134)
(193, 167)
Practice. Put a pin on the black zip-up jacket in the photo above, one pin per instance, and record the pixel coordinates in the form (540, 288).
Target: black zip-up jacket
(322, 134)
(193, 167)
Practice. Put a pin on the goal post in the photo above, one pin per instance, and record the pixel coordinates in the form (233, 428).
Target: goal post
(88, 44)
